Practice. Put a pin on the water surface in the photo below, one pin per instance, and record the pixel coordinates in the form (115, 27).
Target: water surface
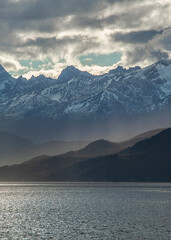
(98, 211)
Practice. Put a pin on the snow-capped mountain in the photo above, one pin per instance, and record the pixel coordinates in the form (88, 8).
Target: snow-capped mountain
(78, 95)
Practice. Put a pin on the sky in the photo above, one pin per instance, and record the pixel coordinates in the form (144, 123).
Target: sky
(44, 36)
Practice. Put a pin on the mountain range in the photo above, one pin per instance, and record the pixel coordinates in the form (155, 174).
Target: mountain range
(45, 124)
(78, 105)
(147, 160)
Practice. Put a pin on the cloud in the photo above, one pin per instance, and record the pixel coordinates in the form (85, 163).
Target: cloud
(68, 29)
(11, 64)
(136, 37)
(44, 9)
(143, 51)
(145, 55)
(164, 41)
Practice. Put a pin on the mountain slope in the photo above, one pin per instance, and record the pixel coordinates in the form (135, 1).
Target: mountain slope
(99, 148)
(140, 137)
(147, 160)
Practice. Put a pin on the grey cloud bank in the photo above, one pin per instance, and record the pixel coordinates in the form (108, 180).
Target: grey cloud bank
(40, 29)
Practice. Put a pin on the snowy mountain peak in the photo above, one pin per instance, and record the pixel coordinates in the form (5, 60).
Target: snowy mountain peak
(32, 78)
(71, 72)
(121, 70)
(118, 69)
(4, 75)
(71, 68)
(134, 68)
(21, 78)
(41, 77)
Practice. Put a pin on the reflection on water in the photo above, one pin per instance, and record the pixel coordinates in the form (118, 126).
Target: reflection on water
(103, 211)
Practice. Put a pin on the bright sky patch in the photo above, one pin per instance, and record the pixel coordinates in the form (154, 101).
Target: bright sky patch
(100, 59)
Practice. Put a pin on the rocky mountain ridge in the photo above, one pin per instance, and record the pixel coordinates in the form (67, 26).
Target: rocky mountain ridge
(80, 96)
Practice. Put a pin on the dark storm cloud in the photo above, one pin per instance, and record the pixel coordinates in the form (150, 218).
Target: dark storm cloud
(54, 43)
(33, 14)
(49, 15)
(46, 42)
(140, 54)
(42, 9)
(95, 22)
(158, 48)
(45, 15)
(136, 37)
(119, 19)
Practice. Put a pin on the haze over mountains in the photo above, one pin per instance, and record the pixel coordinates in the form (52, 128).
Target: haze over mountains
(147, 160)
(117, 105)
(15, 149)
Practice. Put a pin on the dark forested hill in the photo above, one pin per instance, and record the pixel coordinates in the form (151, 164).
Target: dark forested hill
(147, 160)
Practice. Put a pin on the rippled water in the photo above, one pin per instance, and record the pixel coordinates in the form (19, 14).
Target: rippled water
(85, 211)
